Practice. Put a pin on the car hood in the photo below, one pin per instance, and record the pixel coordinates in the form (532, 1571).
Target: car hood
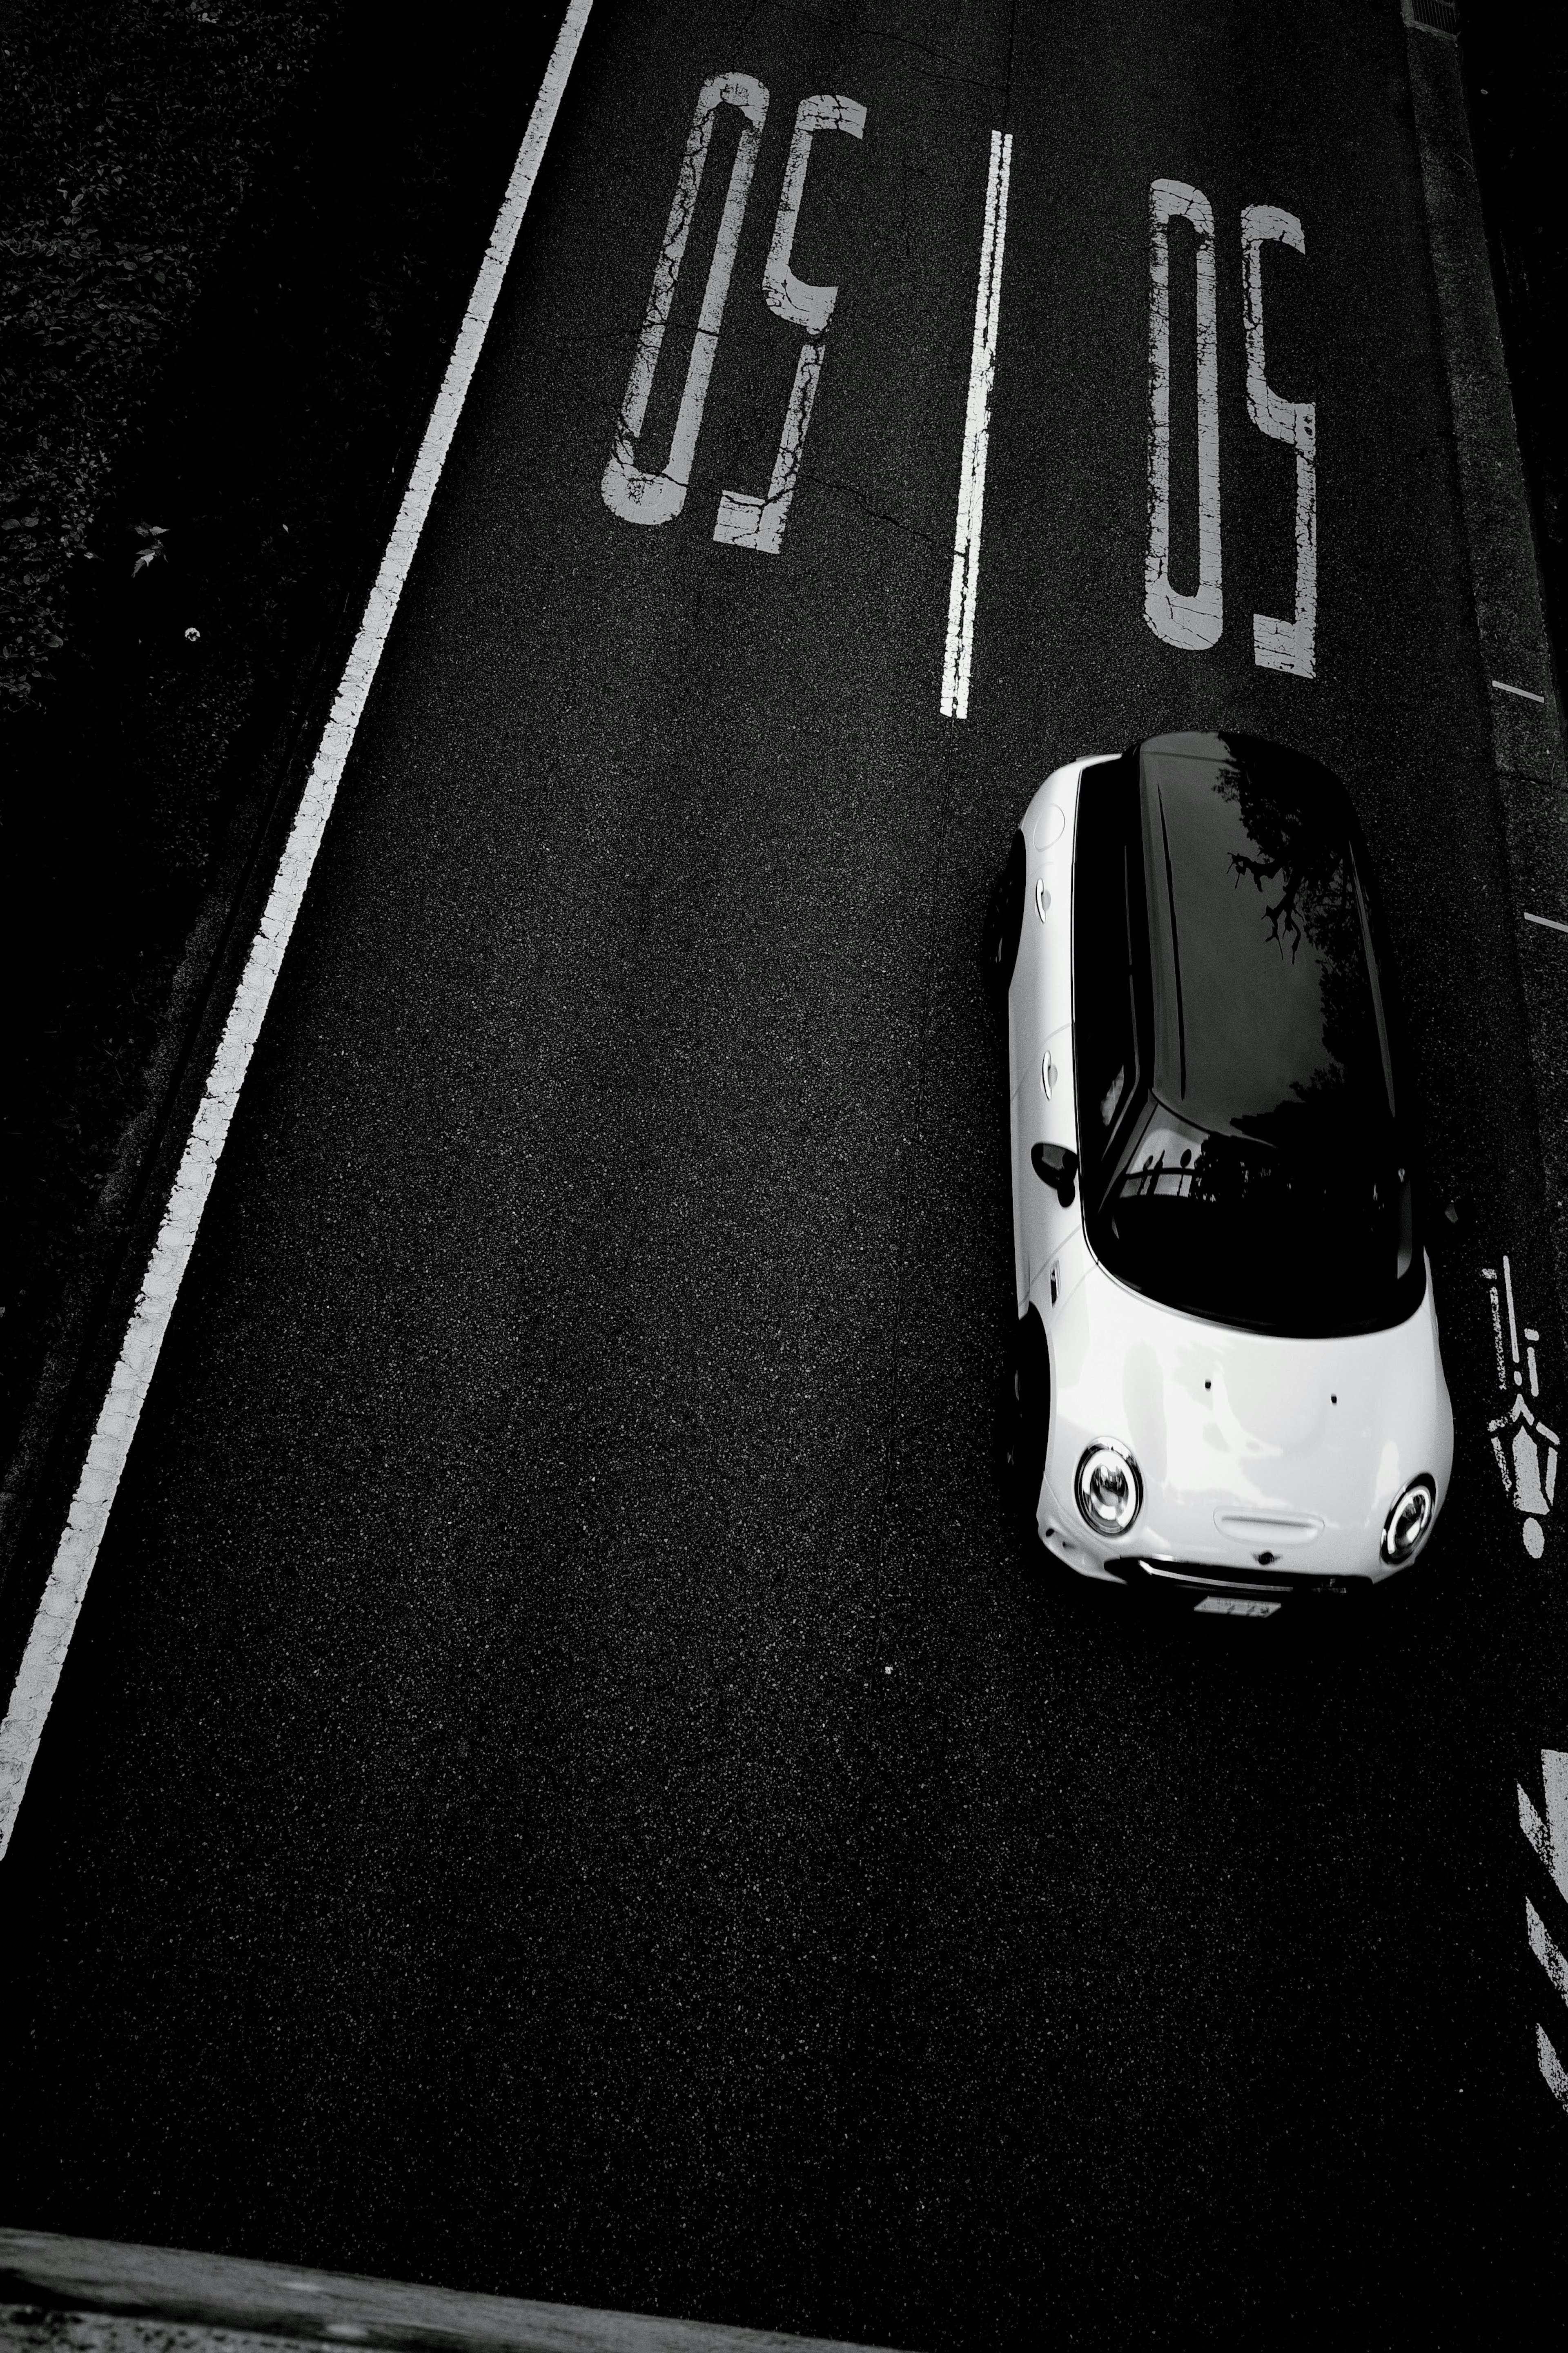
(1245, 1441)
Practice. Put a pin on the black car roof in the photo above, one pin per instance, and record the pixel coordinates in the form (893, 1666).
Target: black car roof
(1267, 1017)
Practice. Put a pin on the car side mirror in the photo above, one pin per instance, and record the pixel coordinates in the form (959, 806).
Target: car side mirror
(1055, 1166)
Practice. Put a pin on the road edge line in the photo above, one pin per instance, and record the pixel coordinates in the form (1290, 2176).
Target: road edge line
(1505, 579)
(54, 1623)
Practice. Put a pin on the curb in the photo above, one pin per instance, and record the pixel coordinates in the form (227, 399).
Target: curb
(1516, 651)
(91, 2296)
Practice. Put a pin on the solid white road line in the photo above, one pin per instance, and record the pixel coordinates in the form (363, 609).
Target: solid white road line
(976, 437)
(52, 1629)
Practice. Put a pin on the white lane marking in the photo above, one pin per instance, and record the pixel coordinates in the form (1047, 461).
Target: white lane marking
(1283, 645)
(1191, 622)
(960, 651)
(1547, 922)
(50, 1636)
(1549, 1838)
(1550, 2066)
(658, 494)
(759, 523)
(1544, 1949)
(1523, 692)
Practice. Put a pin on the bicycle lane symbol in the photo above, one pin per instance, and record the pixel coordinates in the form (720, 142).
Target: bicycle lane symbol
(1523, 1448)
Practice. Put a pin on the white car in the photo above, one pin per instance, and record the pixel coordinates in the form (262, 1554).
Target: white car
(1228, 1373)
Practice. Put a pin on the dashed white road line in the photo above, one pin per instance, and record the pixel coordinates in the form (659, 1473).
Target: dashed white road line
(960, 649)
(1547, 922)
(1525, 693)
(55, 1624)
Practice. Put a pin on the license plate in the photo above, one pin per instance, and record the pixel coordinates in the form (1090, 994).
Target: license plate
(1224, 1605)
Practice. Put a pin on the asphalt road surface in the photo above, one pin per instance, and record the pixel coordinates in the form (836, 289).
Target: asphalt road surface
(571, 1778)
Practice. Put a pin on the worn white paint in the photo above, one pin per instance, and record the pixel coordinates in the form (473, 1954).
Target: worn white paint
(1288, 645)
(789, 297)
(1193, 622)
(959, 656)
(1551, 2067)
(759, 523)
(50, 1636)
(1546, 1950)
(657, 494)
(1549, 1835)
(1524, 1447)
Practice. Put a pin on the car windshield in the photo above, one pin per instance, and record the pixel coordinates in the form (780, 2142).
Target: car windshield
(1250, 1168)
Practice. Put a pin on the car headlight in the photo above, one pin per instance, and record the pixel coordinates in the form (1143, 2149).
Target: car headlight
(1109, 1491)
(1413, 1511)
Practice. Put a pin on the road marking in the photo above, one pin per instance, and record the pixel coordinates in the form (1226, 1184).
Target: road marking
(1547, 922)
(1193, 622)
(1283, 645)
(1545, 1951)
(49, 1638)
(1552, 2066)
(658, 496)
(1549, 1840)
(1549, 1837)
(759, 523)
(960, 651)
(1525, 1450)
(1523, 692)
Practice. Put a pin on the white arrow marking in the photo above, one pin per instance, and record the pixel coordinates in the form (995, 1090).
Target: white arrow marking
(1550, 1837)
